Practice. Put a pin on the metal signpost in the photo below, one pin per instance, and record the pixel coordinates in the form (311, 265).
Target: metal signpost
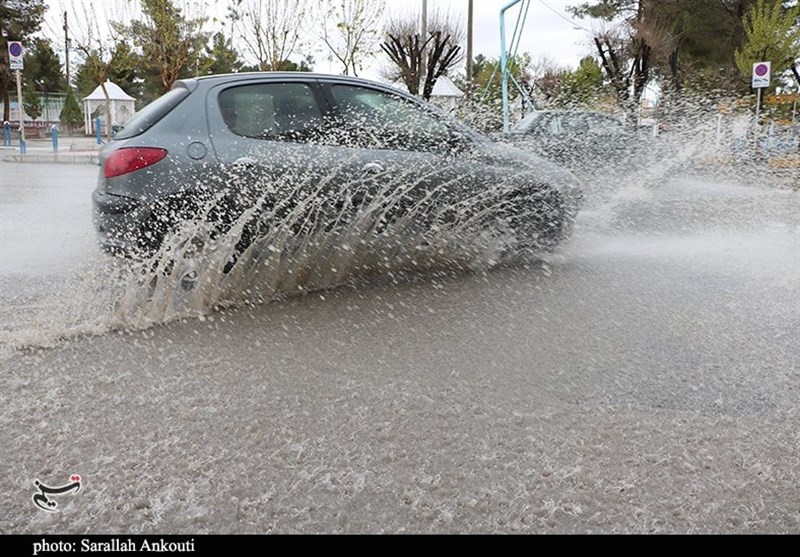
(15, 55)
(760, 81)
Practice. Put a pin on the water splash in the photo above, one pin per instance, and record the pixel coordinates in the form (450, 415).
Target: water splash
(327, 238)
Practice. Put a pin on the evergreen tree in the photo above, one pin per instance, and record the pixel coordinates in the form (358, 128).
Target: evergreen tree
(71, 115)
(581, 86)
(773, 34)
(305, 65)
(170, 42)
(19, 21)
(127, 70)
(31, 99)
(44, 67)
(84, 78)
(627, 53)
(220, 56)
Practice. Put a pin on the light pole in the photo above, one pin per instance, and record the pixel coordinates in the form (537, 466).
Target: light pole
(424, 31)
(470, 20)
(67, 43)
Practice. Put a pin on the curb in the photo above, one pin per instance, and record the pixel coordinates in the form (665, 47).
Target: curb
(69, 158)
(790, 161)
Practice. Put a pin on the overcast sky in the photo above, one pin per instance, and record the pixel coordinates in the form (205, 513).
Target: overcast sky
(550, 31)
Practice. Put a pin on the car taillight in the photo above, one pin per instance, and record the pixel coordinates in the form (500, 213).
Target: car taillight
(130, 159)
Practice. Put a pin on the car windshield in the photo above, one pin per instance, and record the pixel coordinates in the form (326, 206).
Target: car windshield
(524, 125)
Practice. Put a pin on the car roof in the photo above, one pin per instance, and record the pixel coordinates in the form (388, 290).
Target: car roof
(528, 121)
(249, 76)
(209, 81)
(572, 111)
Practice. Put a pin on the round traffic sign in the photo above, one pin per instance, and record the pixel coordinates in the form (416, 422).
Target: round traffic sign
(762, 70)
(15, 49)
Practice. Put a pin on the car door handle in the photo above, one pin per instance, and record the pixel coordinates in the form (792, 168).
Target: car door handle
(372, 168)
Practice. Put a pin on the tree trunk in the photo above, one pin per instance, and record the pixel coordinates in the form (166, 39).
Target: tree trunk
(673, 68)
(6, 82)
(108, 110)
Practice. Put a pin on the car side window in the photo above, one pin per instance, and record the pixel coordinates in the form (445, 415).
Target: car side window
(272, 111)
(553, 125)
(602, 125)
(574, 124)
(379, 120)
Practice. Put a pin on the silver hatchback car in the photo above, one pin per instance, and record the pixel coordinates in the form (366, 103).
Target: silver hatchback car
(323, 149)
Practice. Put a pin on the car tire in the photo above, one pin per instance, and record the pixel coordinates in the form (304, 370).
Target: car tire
(538, 218)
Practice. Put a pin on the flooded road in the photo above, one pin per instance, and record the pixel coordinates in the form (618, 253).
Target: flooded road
(644, 378)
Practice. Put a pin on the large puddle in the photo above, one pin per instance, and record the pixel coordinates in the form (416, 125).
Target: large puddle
(325, 240)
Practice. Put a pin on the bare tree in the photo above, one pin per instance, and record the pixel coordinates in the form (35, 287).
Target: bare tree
(612, 48)
(350, 30)
(420, 62)
(545, 77)
(627, 62)
(98, 44)
(270, 29)
(630, 43)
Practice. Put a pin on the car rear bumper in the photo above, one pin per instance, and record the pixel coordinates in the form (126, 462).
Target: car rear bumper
(118, 223)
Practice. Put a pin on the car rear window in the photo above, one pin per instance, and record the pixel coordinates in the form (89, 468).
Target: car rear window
(152, 113)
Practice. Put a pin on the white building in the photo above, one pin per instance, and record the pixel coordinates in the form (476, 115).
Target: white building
(445, 93)
(123, 106)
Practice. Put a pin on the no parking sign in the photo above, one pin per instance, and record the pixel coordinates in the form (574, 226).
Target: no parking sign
(761, 74)
(15, 54)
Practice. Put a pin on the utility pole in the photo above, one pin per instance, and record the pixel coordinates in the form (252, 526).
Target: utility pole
(469, 48)
(424, 39)
(424, 20)
(66, 46)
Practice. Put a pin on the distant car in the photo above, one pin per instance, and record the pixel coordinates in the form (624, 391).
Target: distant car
(774, 142)
(580, 140)
(304, 145)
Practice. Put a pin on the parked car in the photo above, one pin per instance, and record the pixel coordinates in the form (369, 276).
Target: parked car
(775, 142)
(580, 140)
(309, 145)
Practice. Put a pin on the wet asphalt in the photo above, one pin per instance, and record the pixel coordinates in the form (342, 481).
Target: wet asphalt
(644, 378)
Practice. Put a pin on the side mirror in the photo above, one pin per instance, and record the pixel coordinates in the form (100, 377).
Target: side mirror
(458, 142)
